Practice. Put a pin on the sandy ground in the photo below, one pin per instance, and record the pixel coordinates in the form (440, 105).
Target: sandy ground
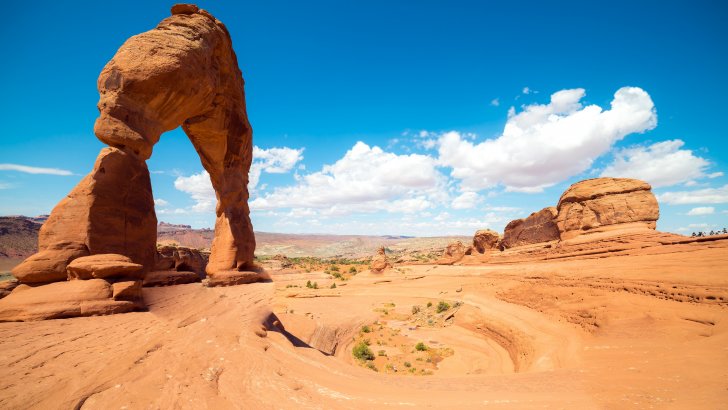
(635, 331)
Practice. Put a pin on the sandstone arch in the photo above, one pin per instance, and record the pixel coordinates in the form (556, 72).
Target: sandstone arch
(183, 72)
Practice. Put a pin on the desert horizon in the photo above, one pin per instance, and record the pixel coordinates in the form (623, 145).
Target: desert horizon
(364, 206)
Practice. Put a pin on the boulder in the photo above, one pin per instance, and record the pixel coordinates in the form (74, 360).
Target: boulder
(229, 278)
(104, 266)
(61, 300)
(536, 228)
(180, 258)
(49, 265)
(601, 204)
(170, 277)
(380, 262)
(129, 291)
(485, 240)
(454, 252)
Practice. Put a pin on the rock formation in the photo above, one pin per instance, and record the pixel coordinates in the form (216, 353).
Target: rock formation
(485, 240)
(380, 263)
(454, 252)
(596, 205)
(180, 258)
(183, 73)
(536, 228)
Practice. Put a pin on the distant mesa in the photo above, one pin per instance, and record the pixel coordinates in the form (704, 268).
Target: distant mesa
(183, 73)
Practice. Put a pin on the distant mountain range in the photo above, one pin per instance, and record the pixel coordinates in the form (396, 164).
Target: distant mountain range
(19, 239)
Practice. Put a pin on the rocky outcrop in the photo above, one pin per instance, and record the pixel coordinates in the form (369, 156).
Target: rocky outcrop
(485, 240)
(180, 258)
(183, 73)
(61, 300)
(104, 266)
(536, 228)
(380, 263)
(454, 252)
(49, 265)
(600, 204)
(7, 286)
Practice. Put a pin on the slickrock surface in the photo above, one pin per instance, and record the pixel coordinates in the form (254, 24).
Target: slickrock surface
(638, 329)
(536, 228)
(606, 203)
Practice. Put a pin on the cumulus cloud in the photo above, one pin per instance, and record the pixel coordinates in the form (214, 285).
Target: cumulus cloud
(701, 210)
(365, 179)
(698, 196)
(495, 102)
(160, 202)
(467, 200)
(34, 170)
(660, 164)
(715, 175)
(271, 160)
(546, 144)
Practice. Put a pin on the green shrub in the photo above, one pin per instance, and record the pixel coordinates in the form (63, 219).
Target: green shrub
(308, 284)
(442, 306)
(415, 309)
(352, 270)
(371, 366)
(365, 329)
(362, 352)
(420, 347)
(382, 353)
(334, 268)
(429, 304)
(333, 286)
(407, 364)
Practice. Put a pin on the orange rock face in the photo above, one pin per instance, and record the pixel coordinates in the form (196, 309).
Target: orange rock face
(185, 72)
(380, 263)
(485, 239)
(601, 204)
(536, 228)
(454, 252)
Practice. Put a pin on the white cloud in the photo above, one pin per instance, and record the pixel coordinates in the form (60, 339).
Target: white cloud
(467, 200)
(34, 170)
(495, 102)
(160, 202)
(546, 144)
(199, 187)
(365, 179)
(526, 90)
(660, 164)
(701, 210)
(272, 161)
(699, 196)
(715, 175)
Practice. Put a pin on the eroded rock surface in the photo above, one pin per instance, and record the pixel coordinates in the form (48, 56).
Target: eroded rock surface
(485, 240)
(536, 228)
(180, 258)
(380, 263)
(454, 252)
(104, 266)
(606, 203)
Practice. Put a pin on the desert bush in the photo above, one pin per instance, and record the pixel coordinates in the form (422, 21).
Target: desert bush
(353, 270)
(333, 286)
(366, 329)
(371, 366)
(362, 352)
(429, 304)
(308, 284)
(420, 347)
(442, 306)
(407, 364)
(382, 353)
(415, 309)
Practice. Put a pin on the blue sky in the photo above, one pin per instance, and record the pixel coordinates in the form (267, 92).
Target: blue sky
(418, 118)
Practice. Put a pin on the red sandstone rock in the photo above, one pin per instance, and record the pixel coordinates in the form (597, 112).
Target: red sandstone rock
(536, 228)
(380, 262)
(60, 300)
(485, 240)
(180, 258)
(600, 204)
(185, 72)
(454, 252)
(110, 211)
(235, 277)
(6, 287)
(49, 265)
(104, 266)
(170, 277)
